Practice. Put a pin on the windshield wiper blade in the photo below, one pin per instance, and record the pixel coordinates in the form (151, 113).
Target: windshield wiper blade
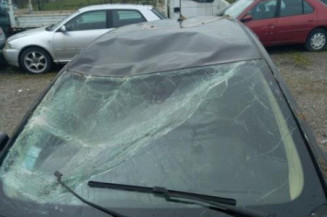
(220, 204)
(103, 209)
(185, 195)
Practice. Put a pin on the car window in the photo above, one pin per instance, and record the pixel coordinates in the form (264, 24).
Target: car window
(264, 10)
(126, 17)
(307, 8)
(88, 21)
(291, 8)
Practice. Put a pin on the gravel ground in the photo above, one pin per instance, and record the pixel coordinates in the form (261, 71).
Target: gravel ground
(18, 91)
(304, 72)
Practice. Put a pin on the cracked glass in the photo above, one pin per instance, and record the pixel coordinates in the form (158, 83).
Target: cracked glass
(220, 130)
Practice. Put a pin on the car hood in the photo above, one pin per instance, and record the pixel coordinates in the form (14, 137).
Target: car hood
(27, 33)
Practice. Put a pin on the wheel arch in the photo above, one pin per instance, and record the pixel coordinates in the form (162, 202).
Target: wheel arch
(35, 46)
(308, 44)
(316, 27)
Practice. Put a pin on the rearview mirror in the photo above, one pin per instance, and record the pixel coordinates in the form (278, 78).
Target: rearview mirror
(4, 138)
(247, 18)
(63, 29)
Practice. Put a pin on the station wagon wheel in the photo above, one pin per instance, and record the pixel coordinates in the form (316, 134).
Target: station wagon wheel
(35, 60)
(317, 40)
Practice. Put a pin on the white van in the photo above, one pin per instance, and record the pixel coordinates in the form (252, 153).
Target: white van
(193, 8)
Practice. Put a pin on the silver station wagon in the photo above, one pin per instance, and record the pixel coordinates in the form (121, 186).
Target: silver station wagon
(35, 50)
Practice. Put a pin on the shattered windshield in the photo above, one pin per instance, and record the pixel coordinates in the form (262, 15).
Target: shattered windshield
(216, 130)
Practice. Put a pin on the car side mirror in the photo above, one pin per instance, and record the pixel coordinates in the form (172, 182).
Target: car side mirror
(4, 138)
(247, 18)
(63, 29)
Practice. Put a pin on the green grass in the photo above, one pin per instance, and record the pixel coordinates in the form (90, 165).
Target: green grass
(300, 59)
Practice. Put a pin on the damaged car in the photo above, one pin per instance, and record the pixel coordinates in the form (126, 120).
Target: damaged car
(165, 119)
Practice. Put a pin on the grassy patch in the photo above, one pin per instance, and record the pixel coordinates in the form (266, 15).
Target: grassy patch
(300, 59)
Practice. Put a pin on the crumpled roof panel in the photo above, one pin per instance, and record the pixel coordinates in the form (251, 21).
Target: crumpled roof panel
(164, 45)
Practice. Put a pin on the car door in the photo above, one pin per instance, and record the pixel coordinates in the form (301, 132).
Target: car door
(296, 19)
(263, 20)
(80, 32)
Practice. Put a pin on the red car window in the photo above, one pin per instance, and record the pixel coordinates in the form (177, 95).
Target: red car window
(264, 10)
(307, 8)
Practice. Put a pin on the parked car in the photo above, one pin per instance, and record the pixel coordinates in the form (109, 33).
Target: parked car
(278, 22)
(37, 49)
(2, 38)
(197, 108)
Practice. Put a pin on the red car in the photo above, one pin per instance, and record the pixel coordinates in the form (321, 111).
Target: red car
(278, 22)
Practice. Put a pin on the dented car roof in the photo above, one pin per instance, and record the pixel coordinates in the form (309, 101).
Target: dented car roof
(165, 45)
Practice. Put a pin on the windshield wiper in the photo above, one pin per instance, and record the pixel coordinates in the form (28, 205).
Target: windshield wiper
(226, 205)
(103, 209)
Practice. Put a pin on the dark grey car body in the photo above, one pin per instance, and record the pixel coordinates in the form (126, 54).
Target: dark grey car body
(195, 106)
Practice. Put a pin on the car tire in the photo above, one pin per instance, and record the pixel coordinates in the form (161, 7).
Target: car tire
(317, 40)
(35, 60)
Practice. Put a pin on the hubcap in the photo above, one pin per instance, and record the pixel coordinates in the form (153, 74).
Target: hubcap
(318, 41)
(35, 62)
